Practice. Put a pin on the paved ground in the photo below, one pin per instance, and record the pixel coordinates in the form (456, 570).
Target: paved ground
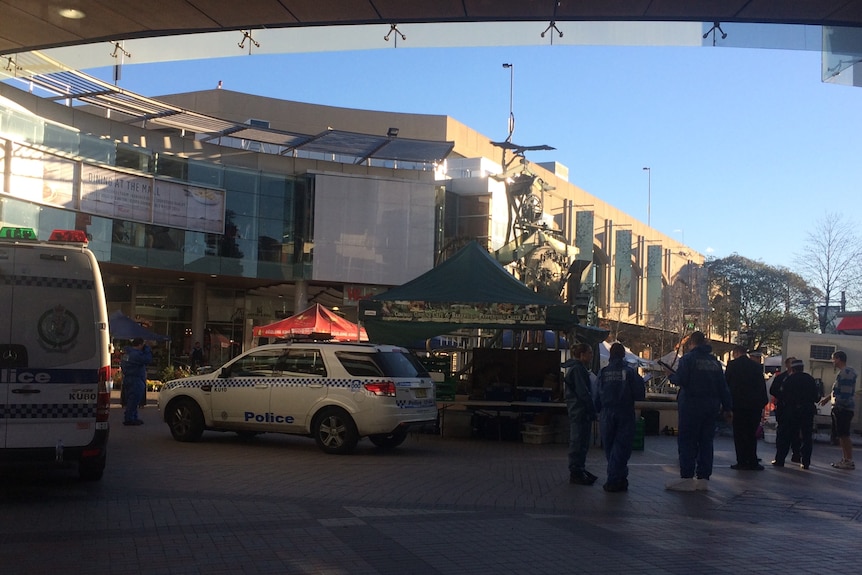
(435, 505)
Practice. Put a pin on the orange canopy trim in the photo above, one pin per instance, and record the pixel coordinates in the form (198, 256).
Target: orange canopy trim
(316, 320)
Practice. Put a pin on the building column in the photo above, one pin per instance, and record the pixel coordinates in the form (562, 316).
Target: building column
(199, 311)
(300, 296)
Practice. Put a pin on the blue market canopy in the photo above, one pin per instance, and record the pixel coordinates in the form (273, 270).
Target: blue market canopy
(122, 326)
(469, 290)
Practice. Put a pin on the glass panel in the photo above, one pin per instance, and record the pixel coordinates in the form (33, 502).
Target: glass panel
(240, 203)
(98, 150)
(135, 158)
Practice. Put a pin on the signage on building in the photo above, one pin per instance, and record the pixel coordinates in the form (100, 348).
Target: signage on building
(116, 194)
(423, 311)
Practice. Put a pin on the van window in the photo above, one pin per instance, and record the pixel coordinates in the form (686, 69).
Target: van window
(55, 317)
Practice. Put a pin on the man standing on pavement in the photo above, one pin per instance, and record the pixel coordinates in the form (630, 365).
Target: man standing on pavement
(776, 390)
(744, 377)
(136, 357)
(582, 412)
(618, 387)
(843, 391)
(800, 393)
(703, 393)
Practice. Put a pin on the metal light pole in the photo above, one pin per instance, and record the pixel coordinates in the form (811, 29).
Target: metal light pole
(649, 195)
(511, 125)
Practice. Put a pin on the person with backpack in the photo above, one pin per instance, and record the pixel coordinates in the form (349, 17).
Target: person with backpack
(617, 389)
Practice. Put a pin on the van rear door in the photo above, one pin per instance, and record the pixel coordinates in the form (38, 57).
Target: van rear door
(51, 343)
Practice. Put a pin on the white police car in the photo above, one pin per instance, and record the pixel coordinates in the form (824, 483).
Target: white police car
(334, 392)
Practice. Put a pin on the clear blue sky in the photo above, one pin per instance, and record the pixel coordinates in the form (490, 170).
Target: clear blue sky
(748, 149)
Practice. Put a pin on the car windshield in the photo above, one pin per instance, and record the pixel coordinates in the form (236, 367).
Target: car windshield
(381, 364)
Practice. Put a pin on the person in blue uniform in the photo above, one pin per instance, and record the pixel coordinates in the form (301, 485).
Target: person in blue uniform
(582, 412)
(617, 389)
(703, 394)
(136, 357)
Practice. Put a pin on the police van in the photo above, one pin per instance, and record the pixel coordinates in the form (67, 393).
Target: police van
(54, 356)
(336, 393)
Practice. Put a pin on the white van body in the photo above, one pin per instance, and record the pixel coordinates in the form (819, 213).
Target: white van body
(815, 349)
(54, 355)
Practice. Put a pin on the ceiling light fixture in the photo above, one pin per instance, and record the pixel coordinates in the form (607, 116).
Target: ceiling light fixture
(71, 13)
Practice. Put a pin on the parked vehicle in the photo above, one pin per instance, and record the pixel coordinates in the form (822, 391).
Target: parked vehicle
(54, 354)
(336, 393)
(816, 349)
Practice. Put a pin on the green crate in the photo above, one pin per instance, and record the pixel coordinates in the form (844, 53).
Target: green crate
(444, 390)
(638, 443)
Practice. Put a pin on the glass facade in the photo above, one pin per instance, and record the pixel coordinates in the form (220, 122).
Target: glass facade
(265, 213)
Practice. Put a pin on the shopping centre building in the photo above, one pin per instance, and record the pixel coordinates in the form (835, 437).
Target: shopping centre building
(258, 207)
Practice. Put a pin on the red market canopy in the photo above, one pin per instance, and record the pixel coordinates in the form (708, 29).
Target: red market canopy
(317, 321)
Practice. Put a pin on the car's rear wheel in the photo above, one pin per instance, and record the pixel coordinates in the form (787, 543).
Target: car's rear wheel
(185, 420)
(389, 440)
(334, 431)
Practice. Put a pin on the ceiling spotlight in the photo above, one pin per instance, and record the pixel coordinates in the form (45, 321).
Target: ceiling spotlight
(71, 13)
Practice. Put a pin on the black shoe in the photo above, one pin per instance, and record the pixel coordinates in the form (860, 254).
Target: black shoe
(805, 465)
(616, 487)
(756, 467)
(796, 458)
(777, 463)
(739, 467)
(581, 479)
(590, 475)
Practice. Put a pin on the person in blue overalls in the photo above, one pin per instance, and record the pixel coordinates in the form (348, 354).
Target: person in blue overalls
(582, 412)
(703, 394)
(136, 357)
(617, 389)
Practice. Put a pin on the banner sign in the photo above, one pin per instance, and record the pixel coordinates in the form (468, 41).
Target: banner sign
(623, 267)
(584, 235)
(39, 177)
(116, 194)
(180, 205)
(443, 312)
(654, 283)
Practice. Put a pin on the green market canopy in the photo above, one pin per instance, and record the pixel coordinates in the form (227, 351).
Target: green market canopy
(469, 290)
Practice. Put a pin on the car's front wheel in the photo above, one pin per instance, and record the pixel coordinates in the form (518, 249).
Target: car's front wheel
(185, 420)
(389, 440)
(334, 431)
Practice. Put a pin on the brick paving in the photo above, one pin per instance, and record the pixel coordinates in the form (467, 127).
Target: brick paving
(435, 505)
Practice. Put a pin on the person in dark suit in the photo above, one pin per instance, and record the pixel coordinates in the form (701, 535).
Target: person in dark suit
(748, 393)
(801, 393)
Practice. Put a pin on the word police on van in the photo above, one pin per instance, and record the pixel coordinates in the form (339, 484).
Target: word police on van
(54, 358)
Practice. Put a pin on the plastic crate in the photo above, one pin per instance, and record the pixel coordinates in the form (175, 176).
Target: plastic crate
(533, 428)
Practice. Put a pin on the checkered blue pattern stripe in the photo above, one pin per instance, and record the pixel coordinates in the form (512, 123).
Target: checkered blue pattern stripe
(48, 411)
(274, 381)
(33, 281)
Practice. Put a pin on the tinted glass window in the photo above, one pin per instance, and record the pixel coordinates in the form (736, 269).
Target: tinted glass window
(381, 364)
(304, 361)
(256, 364)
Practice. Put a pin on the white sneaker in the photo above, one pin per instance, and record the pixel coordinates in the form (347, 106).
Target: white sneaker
(844, 464)
(701, 484)
(681, 484)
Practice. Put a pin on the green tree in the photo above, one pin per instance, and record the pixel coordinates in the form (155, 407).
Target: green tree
(758, 301)
(830, 261)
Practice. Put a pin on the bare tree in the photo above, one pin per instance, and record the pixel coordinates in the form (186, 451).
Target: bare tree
(830, 262)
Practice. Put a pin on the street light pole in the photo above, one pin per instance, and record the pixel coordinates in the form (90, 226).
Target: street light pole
(649, 195)
(511, 125)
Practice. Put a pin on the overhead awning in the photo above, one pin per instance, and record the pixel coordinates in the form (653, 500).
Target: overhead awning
(64, 83)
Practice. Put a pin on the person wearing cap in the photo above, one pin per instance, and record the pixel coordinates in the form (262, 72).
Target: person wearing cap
(747, 390)
(136, 357)
(776, 390)
(800, 394)
(703, 394)
(843, 391)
